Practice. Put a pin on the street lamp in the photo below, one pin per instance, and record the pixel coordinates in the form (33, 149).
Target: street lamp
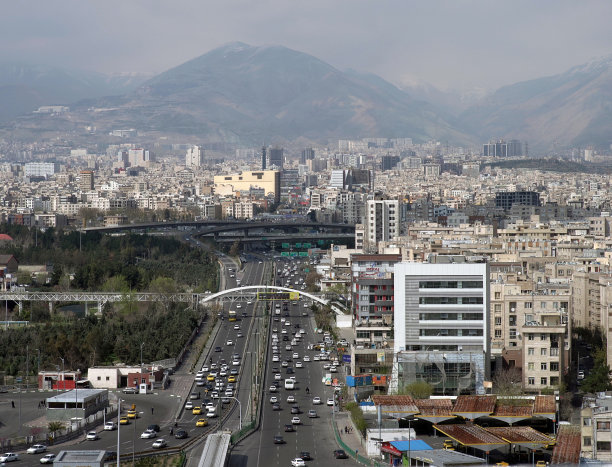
(118, 429)
(239, 411)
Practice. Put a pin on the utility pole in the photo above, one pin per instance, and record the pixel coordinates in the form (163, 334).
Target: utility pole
(27, 366)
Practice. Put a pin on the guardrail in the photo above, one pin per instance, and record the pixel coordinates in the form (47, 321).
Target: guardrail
(358, 457)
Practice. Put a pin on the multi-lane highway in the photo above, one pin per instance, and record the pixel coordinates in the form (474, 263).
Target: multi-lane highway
(286, 358)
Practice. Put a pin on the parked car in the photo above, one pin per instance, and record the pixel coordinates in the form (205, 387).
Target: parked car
(130, 391)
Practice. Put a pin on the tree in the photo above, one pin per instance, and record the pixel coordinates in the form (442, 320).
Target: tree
(312, 278)
(598, 379)
(508, 382)
(57, 273)
(115, 284)
(163, 285)
(55, 426)
(418, 390)
(235, 248)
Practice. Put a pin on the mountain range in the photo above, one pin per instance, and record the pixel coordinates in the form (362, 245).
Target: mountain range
(245, 94)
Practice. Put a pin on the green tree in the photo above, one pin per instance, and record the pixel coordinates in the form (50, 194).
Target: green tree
(598, 379)
(56, 275)
(115, 284)
(235, 249)
(55, 426)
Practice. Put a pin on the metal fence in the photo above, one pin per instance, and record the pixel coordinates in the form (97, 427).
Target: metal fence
(358, 457)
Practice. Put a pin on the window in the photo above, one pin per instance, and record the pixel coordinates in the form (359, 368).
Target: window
(554, 366)
(530, 351)
(544, 381)
(512, 320)
(530, 336)
(497, 295)
(543, 337)
(554, 381)
(108, 378)
(498, 307)
(531, 381)
(528, 305)
(543, 352)
(99, 378)
(603, 425)
(543, 366)
(542, 304)
(498, 334)
(586, 421)
(586, 441)
(512, 333)
(498, 321)
(530, 366)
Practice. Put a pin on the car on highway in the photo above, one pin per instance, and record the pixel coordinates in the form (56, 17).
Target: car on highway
(202, 422)
(298, 364)
(298, 462)
(333, 369)
(290, 398)
(236, 327)
(159, 443)
(182, 434)
(289, 428)
(312, 413)
(295, 409)
(9, 457)
(124, 421)
(340, 454)
(148, 434)
(233, 372)
(229, 342)
(231, 379)
(296, 421)
(276, 407)
(278, 376)
(284, 363)
(197, 410)
(193, 396)
(273, 388)
(47, 458)
(330, 402)
(217, 349)
(275, 358)
(306, 358)
(188, 405)
(154, 427)
(295, 355)
(91, 436)
(273, 400)
(236, 362)
(240, 334)
(36, 449)
(305, 456)
(110, 426)
(316, 400)
(215, 395)
(279, 440)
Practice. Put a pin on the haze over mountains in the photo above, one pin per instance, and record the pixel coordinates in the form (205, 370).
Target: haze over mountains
(246, 94)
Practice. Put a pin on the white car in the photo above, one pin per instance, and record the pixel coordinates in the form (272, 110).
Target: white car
(287, 323)
(47, 458)
(36, 449)
(188, 405)
(273, 400)
(229, 393)
(316, 358)
(275, 358)
(285, 364)
(92, 436)
(223, 373)
(148, 434)
(205, 369)
(330, 402)
(229, 342)
(296, 421)
(273, 388)
(9, 457)
(316, 400)
(306, 358)
(278, 376)
(290, 399)
(236, 327)
(333, 369)
(298, 364)
(236, 362)
(159, 443)
(295, 355)
(298, 462)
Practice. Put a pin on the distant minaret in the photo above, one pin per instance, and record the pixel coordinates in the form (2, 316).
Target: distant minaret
(263, 158)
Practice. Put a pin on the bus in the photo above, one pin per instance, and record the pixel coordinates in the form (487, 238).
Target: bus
(232, 315)
(289, 384)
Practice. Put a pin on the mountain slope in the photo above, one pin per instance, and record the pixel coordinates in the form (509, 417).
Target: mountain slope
(570, 109)
(244, 93)
(24, 87)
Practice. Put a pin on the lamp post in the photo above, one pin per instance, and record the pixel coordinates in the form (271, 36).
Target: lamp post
(118, 429)
(63, 376)
(239, 411)
(37, 363)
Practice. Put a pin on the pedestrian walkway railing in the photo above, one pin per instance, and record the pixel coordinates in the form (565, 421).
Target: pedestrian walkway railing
(238, 435)
(358, 457)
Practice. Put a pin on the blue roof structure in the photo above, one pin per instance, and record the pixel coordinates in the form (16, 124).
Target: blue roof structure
(413, 445)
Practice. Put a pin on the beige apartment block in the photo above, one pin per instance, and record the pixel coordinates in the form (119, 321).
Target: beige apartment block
(269, 180)
(530, 328)
(596, 430)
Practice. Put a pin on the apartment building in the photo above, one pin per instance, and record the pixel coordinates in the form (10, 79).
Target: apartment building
(441, 323)
(595, 428)
(269, 180)
(382, 221)
(194, 157)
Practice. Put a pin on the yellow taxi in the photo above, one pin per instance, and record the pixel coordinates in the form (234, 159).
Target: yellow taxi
(231, 379)
(132, 414)
(197, 410)
(541, 464)
(124, 421)
(202, 422)
(210, 378)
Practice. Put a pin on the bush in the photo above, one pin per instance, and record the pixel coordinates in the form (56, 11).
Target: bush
(357, 417)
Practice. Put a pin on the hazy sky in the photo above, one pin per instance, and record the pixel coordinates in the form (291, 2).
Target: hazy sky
(451, 44)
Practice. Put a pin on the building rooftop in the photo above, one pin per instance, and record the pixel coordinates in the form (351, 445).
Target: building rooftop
(80, 456)
(444, 457)
(76, 394)
(465, 405)
(567, 449)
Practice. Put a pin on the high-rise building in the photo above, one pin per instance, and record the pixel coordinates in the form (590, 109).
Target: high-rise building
(263, 158)
(441, 322)
(194, 157)
(382, 222)
(502, 148)
(275, 158)
(138, 157)
(86, 180)
(308, 154)
(389, 162)
(507, 199)
(40, 169)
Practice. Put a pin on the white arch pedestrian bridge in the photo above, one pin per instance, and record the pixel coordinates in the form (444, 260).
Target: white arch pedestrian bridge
(250, 291)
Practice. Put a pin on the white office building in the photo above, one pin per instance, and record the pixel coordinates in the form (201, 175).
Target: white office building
(40, 169)
(382, 222)
(441, 324)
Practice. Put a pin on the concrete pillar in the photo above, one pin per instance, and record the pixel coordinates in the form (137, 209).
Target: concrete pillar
(51, 308)
(20, 303)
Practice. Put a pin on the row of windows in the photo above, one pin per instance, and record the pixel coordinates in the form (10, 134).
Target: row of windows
(451, 332)
(554, 352)
(450, 284)
(554, 366)
(450, 300)
(450, 316)
(554, 381)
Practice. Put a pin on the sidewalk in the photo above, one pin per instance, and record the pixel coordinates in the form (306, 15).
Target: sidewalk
(352, 440)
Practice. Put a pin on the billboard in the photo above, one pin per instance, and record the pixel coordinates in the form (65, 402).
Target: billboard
(278, 295)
